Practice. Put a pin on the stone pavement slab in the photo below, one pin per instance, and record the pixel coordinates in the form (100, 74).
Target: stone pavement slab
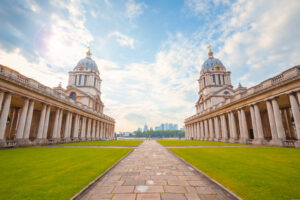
(151, 172)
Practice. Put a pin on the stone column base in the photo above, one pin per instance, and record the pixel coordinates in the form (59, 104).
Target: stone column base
(40, 141)
(277, 142)
(233, 140)
(297, 144)
(2, 143)
(244, 140)
(259, 141)
(224, 140)
(23, 142)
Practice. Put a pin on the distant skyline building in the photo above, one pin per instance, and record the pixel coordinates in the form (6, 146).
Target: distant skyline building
(145, 128)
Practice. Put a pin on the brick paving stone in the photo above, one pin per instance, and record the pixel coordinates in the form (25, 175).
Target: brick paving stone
(151, 172)
(205, 190)
(175, 189)
(169, 196)
(148, 189)
(124, 197)
(155, 196)
(198, 183)
(123, 189)
(134, 182)
(192, 196)
(177, 182)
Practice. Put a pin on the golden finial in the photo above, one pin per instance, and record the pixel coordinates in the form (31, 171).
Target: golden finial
(89, 51)
(209, 47)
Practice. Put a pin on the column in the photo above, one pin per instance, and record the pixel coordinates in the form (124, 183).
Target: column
(83, 127)
(1, 99)
(70, 125)
(211, 130)
(206, 130)
(244, 126)
(202, 130)
(58, 132)
(101, 131)
(42, 122)
(28, 120)
(45, 131)
(198, 131)
(296, 113)
(98, 130)
(22, 121)
(253, 121)
(233, 134)
(260, 133)
(224, 129)
(278, 120)
(54, 131)
(4, 115)
(271, 121)
(76, 127)
(217, 130)
(94, 129)
(88, 135)
(67, 125)
(240, 125)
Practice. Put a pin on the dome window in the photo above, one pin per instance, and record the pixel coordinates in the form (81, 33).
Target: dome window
(73, 96)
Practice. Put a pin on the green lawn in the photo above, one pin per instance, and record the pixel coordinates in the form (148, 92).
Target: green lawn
(124, 143)
(192, 143)
(52, 173)
(250, 172)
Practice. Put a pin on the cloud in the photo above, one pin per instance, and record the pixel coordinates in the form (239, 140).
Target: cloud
(200, 7)
(122, 39)
(134, 9)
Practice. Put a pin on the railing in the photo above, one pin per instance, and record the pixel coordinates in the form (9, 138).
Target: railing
(16, 76)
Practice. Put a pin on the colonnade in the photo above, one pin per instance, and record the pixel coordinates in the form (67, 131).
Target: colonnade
(274, 121)
(26, 121)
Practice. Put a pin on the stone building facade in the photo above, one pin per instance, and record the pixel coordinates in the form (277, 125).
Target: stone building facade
(267, 113)
(32, 113)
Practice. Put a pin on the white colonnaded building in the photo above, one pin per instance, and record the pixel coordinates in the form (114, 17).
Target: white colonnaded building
(32, 113)
(267, 113)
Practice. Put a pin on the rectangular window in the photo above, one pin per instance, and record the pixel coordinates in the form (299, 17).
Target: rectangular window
(79, 79)
(214, 79)
(75, 79)
(223, 80)
(85, 78)
(219, 77)
(204, 81)
(95, 82)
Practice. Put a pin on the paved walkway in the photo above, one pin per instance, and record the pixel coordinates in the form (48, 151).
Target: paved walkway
(151, 172)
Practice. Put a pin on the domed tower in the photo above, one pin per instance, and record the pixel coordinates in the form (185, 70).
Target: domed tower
(85, 83)
(214, 83)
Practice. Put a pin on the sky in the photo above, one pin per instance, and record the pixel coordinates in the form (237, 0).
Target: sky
(149, 52)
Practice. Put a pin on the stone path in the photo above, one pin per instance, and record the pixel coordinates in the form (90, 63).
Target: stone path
(151, 172)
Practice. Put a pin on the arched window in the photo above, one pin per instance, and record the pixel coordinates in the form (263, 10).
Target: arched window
(73, 96)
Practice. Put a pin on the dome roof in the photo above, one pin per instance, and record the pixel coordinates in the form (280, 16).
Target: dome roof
(88, 61)
(210, 62)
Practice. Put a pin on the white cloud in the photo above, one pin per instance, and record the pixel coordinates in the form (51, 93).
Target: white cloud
(204, 6)
(134, 9)
(122, 39)
(39, 70)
